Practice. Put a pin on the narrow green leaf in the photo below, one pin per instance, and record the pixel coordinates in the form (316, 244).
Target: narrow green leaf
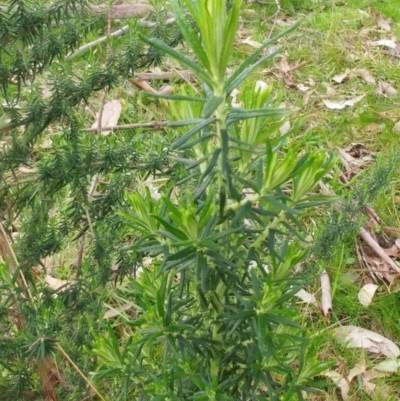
(170, 228)
(182, 140)
(212, 105)
(229, 36)
(183, 123)
(196, 141)
(160, 305)
(243, 114)
(204, 277)
(189, 34)
(160, 45)
(211, 164)
(202, 188)
(260, 322)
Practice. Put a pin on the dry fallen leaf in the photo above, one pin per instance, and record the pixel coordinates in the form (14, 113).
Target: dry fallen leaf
(57, 284)
(365, 75)
(27, 170)
(388, 365)
(252, 43)
(341, 105)
(339, 78)
(330, 91)
(383, 24)
(357, 337)
(391, 44)
(112, 312)
(396, 128)
(302, 87)
(359, 369)
(306, 297)
(385, 89)
(283, 65)
(110, 117)
(367, 293)
(341, 382)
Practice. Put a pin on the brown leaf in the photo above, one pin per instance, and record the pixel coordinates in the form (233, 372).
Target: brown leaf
(385, 43)
(341, 382)
(342, 104)
(110, 117)
(396, 128)
(386, 89)
(357, 337)
(331, 92)
(283, 65)
(365, 75)
(383, 24)
(339, 78)
(57, 284)
(366, 294)
(27, 170)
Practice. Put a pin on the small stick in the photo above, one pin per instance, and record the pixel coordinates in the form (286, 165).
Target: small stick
(274, 17)
(366, 236)
(152, 124)
(66, 356)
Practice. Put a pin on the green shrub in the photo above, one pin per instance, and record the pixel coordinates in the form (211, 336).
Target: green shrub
(215, 320)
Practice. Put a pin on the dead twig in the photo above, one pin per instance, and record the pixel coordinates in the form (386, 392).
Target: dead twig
(377, 249)
(152, 124)
(273, 17)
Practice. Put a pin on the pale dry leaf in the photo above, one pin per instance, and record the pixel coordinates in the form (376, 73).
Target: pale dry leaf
(366, 294)
(57, 284)
(397, 242)
(391, 44)
(252, 43)
(311, 82)
(386, 89)
(357, 337)
(167, 90)
(234, 95)
(112, 312)
(111, 113)
(363, 13)
(383, 24)
(377, 393)
(147, 261)
(365, 75)
(326, 294)
(343, 104)
(27, 170)
(330, 91)
(339, 78)
(307, 96)
(283, 23)
(360, 368)
(341, 382)
(388, 365)
(306, 297)
(303, 88)
(285, 128)
(283, 65)
(396, 128)
(47, 143)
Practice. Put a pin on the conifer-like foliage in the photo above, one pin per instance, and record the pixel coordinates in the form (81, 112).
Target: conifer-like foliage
(36, 39)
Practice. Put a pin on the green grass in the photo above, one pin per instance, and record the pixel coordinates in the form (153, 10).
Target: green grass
(334, 37)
